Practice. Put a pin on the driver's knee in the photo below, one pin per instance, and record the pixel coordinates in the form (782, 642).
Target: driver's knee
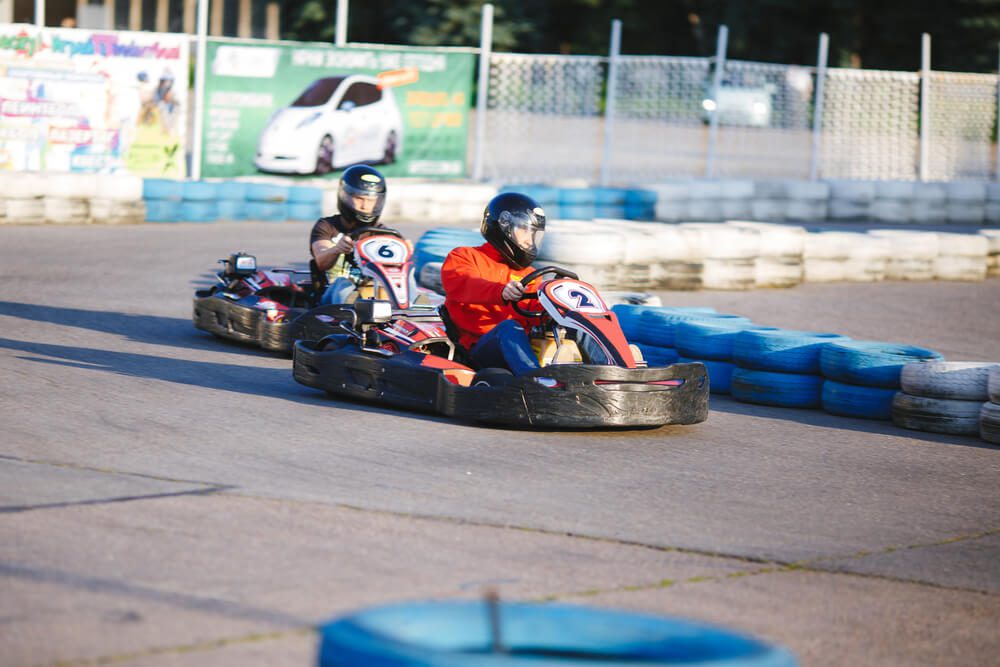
(510, 327)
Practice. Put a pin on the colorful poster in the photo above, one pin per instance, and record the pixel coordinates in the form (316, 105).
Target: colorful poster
(90, 101)
(308, 109)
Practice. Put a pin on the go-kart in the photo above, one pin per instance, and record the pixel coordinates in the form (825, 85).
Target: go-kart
(589, 375)
(266, 307)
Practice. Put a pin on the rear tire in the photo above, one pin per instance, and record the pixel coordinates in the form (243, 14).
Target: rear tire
(492, 377)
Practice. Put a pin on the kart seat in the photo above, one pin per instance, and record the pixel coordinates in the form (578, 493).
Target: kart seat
(451, 329)
(319, 281)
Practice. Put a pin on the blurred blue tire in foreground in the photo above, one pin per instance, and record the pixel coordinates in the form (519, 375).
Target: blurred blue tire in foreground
(453, 634)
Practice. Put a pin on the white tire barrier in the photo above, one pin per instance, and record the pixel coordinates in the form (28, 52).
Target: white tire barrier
(989, 422)
(993, 384)
(936, 415)
(993, 254)
(962, 380)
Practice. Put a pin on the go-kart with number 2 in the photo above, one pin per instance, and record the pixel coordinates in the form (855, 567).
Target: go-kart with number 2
(589, 376)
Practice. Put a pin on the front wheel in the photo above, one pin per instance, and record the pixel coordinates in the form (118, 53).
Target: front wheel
(492, 377)
(324, 155)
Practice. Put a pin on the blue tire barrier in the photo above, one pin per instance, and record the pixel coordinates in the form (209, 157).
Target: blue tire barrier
(786, 390)
(656, 356)
(610, 197)
(657, 326)
(709, 339)
(305, 195)
(577, 211)
(461, 633)
(640, 205)
(613, 211)
(231, 190)
(232, 209)
(162, 189)
(871, 364)
(546, 195)
(163, 210)
(850, 400)
(783, 350)
(266, 211)
(576, 196)
(200, 191)
(267, 192)
(199, 211)
(628, 319)
(304, 211)
(720, 373)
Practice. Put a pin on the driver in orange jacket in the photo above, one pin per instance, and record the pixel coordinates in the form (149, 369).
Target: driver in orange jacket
(481, 283)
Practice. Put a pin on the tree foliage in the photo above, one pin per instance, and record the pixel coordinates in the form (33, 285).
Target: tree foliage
(879, 35)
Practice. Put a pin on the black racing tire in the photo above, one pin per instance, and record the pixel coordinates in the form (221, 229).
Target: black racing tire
(492, 377)
(324, 155)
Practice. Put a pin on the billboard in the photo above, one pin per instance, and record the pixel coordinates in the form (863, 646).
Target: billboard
(92, 101)
(307, 109)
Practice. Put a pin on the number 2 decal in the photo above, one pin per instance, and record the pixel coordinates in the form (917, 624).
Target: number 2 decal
(582, 299)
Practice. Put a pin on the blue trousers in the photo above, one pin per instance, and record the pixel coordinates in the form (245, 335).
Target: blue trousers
(505, 346)
(337, 292)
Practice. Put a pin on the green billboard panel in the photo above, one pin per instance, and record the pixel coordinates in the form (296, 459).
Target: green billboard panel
(308, 109)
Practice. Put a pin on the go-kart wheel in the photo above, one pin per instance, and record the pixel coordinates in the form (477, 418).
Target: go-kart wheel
(492, 377)
(530, 278)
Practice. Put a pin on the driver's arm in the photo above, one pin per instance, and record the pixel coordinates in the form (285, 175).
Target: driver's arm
(326, 252)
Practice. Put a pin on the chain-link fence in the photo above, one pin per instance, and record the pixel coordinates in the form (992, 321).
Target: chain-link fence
(546, 121)
(544, 117)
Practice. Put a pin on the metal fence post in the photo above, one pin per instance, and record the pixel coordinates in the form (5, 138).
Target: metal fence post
(925, 92)
(996, 156)
(199, 88)
(713, 126)
(821, 57)
(341, 38)
(610, 99)
(485, 49)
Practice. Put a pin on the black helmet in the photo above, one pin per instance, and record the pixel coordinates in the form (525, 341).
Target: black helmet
(360, 181)
(514, 224)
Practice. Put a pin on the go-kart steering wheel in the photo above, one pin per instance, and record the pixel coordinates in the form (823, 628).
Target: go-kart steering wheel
(531, 277)
(356, 233)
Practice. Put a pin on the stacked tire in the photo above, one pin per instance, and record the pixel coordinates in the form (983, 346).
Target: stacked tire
(710, 341)
(779, 367)
(267, 202)
(118, 200)
(943, 396)
(989, 415)
(199, 201)
(431, 249)
(163, 199)
(861, 378)
(305, 203)
(22, 196)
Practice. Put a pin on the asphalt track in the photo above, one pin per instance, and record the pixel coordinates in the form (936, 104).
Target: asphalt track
(168, 498)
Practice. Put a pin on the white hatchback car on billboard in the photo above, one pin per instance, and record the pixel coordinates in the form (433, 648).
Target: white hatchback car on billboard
(337, 121)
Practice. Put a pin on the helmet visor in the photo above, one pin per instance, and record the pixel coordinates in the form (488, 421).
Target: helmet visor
(524, 229)
(366, 204)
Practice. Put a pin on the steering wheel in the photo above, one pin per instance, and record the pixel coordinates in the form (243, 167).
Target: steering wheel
(356, 233)
(530, 278)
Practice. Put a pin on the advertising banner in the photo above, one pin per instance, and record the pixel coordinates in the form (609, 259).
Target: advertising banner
(92, 101)
(306, 109)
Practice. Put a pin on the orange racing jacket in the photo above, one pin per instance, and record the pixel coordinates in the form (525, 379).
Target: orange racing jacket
(473, 280)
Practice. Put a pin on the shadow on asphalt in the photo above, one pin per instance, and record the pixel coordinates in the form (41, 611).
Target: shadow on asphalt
(152, 329)
(816, 417)
(245, 379)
